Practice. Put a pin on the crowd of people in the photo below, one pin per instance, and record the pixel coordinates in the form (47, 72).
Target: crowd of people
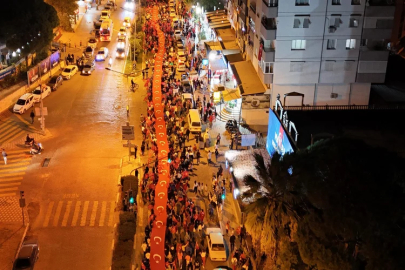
(185, 244)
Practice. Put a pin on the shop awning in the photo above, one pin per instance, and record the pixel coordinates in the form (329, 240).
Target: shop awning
(217, 64)
(217, 25)
(213, 45)
(231, 94)
(247, 79)
(232, 58)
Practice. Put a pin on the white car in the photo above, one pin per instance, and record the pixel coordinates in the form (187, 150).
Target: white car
(25, 102)
(177, 34)
(216, 244)
(173, 15)
(122, 32)
(69, 71)
(38, 92)
(105, 15)
(92, 43)
(102, 54)
(127, 22)
(172, 10)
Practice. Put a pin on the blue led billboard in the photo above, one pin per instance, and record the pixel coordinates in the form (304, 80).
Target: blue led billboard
(277, 139)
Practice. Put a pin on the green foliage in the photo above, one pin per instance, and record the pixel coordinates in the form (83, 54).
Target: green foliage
(123, 250)
(338, 210)
(28, 24)
(210, 4)
(64, 9)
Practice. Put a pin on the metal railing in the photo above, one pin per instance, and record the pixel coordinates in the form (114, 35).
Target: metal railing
(342, 107)
(271, 3)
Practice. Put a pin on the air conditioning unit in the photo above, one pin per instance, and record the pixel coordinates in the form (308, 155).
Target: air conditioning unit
(334, 95)
(332, 29)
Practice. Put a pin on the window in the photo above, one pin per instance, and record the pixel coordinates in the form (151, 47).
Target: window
(329, 65)
(337, 22)
(301, 21)
(336, 2)
(296, 66)
(356, 2)
(331, 44)
(349, 65)
(363, 42)
(298, 44)
(267, 67)
(302, 2)
(384, 23)
(350, 44)
(354, 23)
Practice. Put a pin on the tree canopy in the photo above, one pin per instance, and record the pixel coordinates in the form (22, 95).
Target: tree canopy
(64, 9)
(27, 24)
(346, 207)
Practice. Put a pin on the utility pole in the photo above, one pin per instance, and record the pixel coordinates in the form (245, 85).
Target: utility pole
(41, 106)
(136, 7)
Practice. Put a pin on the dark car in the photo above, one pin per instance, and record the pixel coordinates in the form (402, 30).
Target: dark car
(55, 82)
(186, 87)
(88, 67)
(27, 256)
(88, 52)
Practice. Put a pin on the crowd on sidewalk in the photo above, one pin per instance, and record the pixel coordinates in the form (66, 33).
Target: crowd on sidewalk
(185, 243)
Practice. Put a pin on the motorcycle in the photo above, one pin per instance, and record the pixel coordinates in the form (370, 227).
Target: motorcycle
(36, 149)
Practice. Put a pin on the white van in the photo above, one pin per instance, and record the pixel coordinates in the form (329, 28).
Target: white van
(194, 121)
(25, 102)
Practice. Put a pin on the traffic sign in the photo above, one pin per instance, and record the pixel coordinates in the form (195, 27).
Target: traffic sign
(128, 133)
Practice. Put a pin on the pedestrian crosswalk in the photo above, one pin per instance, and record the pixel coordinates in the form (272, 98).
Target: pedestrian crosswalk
(11, 130)
(12, 173)
(77, 214)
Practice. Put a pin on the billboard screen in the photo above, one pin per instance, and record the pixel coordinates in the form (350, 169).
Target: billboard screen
(33, 74)
(54, 59)
(44, 66)
(277, 139)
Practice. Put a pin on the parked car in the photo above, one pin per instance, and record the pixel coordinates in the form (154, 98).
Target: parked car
(92, 42)
(89, 67)
(186, 86)
(105, 14)
(25, 102)
(121, 39)
(69, 71)
(127, 22)
(122, 32)
(41, 92)
(181, 56)
(181, 67)
(102, 54)
(88, 52)
(216, 246)
(55, 82)
(27, 256)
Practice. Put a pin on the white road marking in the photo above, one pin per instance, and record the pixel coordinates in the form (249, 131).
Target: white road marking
(76, 213)
(93, 214)
(57, 215)
(67, 213)
(102, 216)
(84, 214)
(48, 214)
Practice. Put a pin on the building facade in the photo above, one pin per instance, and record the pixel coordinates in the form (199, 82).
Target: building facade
(329, 50)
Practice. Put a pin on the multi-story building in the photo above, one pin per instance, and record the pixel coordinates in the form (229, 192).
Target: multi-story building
(331, 51)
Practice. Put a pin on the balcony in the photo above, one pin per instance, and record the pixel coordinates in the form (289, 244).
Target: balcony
(270, 8)
(268, 54)
(265, 78)
(268, 28)
(371, 55)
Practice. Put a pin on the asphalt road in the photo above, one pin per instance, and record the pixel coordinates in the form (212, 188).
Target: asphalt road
(75, 195)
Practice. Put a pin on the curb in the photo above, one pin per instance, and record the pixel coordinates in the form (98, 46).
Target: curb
(22, 240)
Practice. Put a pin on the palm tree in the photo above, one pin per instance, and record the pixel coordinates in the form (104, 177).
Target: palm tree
(273, 202)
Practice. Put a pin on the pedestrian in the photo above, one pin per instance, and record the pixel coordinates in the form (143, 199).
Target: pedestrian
(136, 150)
(232, 241)
(143, 74)
(4, 156)
(216, 154)
(188, 135)
(195, 188)
(203, 255)
(218, 139)
(227, 227)
(198, 157)
(234, 262)
(32, 115)
(143, 149)
(209, 157)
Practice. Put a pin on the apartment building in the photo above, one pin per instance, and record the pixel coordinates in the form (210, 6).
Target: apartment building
(331, 51)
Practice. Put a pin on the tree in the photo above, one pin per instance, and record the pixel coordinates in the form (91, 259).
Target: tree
(27, 25)
(274, 203)
(65, 9)
(341, 208)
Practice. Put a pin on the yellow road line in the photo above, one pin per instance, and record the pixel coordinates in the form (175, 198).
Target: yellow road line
(93, 214)
(7, 194)
(57, 214)
(84, 214)
(102, 216)
(111, 216)
(9, 184)
(8, 189)
(67, 213)
(76, 213)
(9, 179)
(48, 214)
(11, 135)
(17, 169)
